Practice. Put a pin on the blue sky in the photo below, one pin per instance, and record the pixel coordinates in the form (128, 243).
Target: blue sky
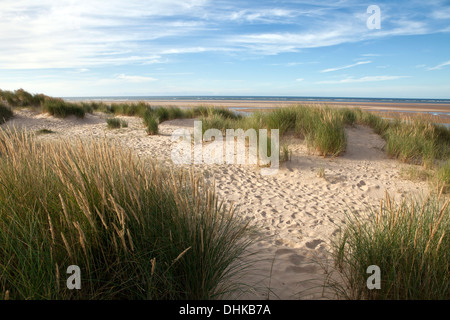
(206, 47)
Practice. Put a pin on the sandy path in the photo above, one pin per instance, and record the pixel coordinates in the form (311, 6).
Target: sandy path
(297, 212)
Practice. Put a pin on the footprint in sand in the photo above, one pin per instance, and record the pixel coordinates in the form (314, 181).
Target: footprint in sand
(313, 244)
(362, 185)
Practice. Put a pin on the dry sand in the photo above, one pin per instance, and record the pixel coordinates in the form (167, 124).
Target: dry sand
(297, 212)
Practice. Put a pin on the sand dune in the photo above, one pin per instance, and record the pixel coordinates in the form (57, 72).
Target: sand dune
(297, 211)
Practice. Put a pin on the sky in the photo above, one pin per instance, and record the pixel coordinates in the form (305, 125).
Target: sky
(85, 48)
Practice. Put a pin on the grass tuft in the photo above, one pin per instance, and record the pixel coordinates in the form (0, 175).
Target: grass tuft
(151, 122)
(408, 241)
(5, 112)
(135, 230)
(443, 177)
(115, 123)
(62, 109)
(44, 131)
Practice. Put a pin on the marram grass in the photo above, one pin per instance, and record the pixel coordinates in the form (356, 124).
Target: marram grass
(323, 128)
(408, 241)
(62, 109)
(135, 230)
(5, 112)
(115, 123)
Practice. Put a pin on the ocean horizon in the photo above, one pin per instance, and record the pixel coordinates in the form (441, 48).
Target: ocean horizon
(257, 98)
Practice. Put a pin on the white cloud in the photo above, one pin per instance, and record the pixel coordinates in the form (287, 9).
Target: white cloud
(274, 43)
(93, 35)
(299, 79)
(135, 79)
(335, 32)
(441, 13)
(191, 50)
(86, 33)
(346, 67)
(263, 15)
(69, 34)
(363, 79)
(439, 66)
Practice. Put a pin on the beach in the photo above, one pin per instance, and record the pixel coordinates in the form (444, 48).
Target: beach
(440, 111)
(297, 212)
(225, 150)
(264, 104)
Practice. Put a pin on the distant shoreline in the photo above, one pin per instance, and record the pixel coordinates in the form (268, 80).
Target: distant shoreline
(264, 104)
(439, 110)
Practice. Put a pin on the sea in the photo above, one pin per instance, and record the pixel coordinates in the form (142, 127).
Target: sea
(259, 98)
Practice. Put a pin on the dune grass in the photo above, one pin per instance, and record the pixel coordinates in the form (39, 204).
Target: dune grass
(443, 176)
(416, 173)
(151, 122)
(127, 109)
(91, 106)
(322, 127)
(44, 131)
(5, 112)
(62, 109)
(327, 134)
(409, 242)
(285, 153)
(21, 98)
(136, 231)
(115, 123)
(283, 119)
(140, 232)
(415, 140)
(411, 140)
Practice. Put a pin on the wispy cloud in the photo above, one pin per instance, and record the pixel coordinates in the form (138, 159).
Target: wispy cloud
(135, 79)
(274, 43)
(57, 34)
(363, 79)
(346, 67)
(65, 34)
(263, 15)
(288, 64)
(371, 55)
(122, 46)
(442, 13)
(439, 66)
